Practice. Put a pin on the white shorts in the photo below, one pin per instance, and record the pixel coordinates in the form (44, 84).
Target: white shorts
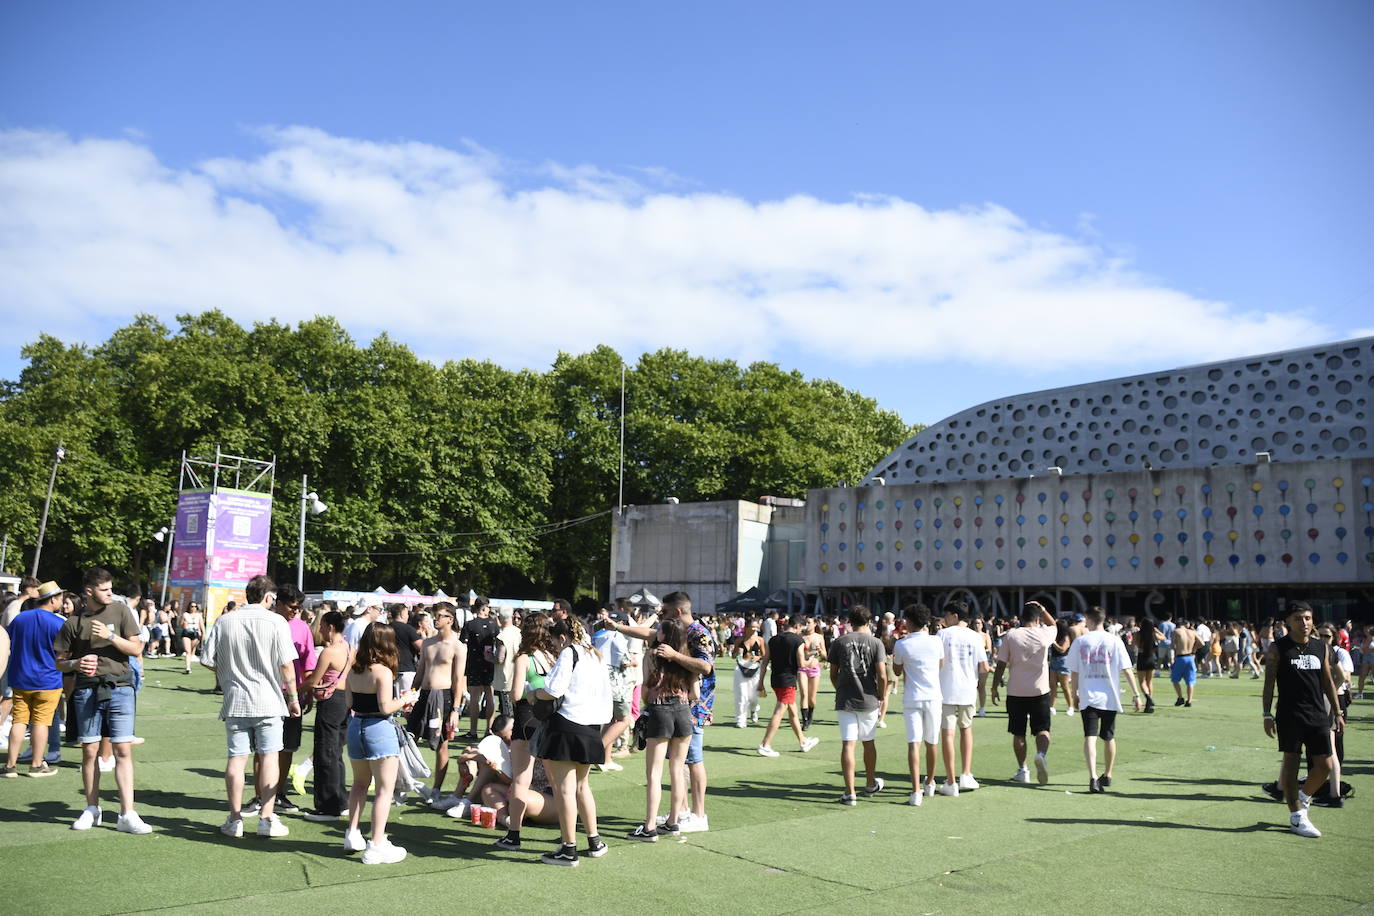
(922, 723)
(857, 726)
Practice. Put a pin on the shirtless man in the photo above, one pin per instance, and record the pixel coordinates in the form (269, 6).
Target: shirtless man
(439, 670)
(1184, 643)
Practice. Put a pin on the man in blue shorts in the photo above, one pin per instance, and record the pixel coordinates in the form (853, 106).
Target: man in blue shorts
(1184, 669)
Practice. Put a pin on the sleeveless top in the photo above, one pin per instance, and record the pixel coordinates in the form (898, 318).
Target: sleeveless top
(1299, 680)
(365, 706)
(534, 678)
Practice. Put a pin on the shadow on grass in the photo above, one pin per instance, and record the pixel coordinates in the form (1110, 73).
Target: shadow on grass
(1259, 827)
(1202, 780)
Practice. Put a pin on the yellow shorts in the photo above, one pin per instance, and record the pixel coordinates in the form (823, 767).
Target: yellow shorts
(36, 707)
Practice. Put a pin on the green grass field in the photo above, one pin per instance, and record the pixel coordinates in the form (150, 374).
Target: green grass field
(1184, 829)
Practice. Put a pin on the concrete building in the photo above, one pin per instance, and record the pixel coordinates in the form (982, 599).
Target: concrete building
(1222, 489)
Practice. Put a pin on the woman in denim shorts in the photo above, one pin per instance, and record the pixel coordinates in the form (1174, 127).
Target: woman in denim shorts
(669, 689)
(372, 742)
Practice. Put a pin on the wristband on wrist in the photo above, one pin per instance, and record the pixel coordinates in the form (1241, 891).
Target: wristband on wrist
(1269, 715)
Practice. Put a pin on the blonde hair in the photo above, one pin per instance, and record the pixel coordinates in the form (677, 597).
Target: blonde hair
(577, 635)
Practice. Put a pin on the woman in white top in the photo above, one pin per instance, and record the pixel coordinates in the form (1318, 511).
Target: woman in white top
(569, 741)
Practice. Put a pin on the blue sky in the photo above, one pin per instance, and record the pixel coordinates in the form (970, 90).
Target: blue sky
(936, 204)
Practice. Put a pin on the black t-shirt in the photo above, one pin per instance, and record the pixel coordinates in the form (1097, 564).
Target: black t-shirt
(478, 635)
(406, 635)
(782, 659)
(1299, 680)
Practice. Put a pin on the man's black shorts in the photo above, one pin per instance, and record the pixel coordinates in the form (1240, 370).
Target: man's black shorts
(1036, 709)
(291, 733)
(1294, 737)
(1098, 723)
(479, 673)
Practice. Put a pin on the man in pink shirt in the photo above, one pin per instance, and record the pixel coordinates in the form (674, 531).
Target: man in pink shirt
(1024, 655)
(289, 601)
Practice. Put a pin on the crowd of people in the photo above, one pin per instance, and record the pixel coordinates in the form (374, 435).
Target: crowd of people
(548, 697)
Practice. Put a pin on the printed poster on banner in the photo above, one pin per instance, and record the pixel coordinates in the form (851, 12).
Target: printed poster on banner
(237, 539)
(188, 547)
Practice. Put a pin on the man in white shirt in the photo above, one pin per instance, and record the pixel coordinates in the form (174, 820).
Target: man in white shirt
(251, 653)
(1204, 646)
(1096, 661)
(615, 652)
(965, 660)
(919, 657)
(362, 617)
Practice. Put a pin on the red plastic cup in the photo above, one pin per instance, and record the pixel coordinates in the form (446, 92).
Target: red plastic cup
(489, 818)
(476, 814)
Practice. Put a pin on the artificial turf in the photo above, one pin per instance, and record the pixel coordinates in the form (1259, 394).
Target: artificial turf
(1184, 828)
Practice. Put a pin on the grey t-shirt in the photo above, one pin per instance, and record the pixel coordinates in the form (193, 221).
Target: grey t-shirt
(857, 657)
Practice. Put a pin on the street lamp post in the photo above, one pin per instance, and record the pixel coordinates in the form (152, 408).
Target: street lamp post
(170, 533)
(43, 523)
(310, 501)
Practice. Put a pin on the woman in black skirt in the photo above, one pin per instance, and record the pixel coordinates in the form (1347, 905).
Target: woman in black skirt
(667, 697)
(569, 741)
(539, 646)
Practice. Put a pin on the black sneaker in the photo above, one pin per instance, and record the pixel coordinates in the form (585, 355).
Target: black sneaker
(596, 848)
(1328, 801)
(1095, 787)
(507, 842)
(285, 805)
(1180, 701)
(1272, 790)
(1104, 781)
(644, 836)
(9, 772)
(1188, 703)
(566, 856)
(848, 800)
(253, 807)
(321, 817)
(870, 791)
(670, 829)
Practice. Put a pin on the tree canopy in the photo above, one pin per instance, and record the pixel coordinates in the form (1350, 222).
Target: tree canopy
(440, 476)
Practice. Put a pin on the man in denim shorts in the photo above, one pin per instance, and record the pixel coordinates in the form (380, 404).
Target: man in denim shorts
(251, 653)
(94, 645)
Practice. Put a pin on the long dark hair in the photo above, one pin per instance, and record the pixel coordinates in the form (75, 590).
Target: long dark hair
(377, 647)
(670, 677)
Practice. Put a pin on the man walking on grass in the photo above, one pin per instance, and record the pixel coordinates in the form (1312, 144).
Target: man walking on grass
(918, 657)
(1024, 657)
(1096, 660)
(251, 653)
(965, 660)
(1183, 671)
(34, 678)
(1299, 666)
(858, 672)
(786, 653)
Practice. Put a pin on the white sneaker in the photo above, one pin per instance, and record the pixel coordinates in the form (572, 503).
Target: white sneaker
(132, 823)
(610, 766)
(766, 751)
(272, 826)
(809, 743)
(982, 712)
(1022, 775)
(106, 764)
(443, 804)
(1071, 711)
(914, 800)
(1042, 769)
(353, 841)
(949, 788)
(232, 827)
(1304, 800)
(740, 723)
(1053, 711)
(928, 790)
(882, 723)
(383, 853)
(1299, 823)
(966, 781)
(88, 818)
(460, 809)
(688, 822)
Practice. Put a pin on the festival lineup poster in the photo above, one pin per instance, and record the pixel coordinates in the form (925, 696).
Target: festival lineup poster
(237, 539)
(188, 545)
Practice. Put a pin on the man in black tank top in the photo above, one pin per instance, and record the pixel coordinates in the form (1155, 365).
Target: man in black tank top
(1298, 664)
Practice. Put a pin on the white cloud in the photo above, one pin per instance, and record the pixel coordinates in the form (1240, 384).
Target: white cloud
(461, 253)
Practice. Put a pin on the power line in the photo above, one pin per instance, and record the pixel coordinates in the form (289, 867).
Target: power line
(537, 533)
